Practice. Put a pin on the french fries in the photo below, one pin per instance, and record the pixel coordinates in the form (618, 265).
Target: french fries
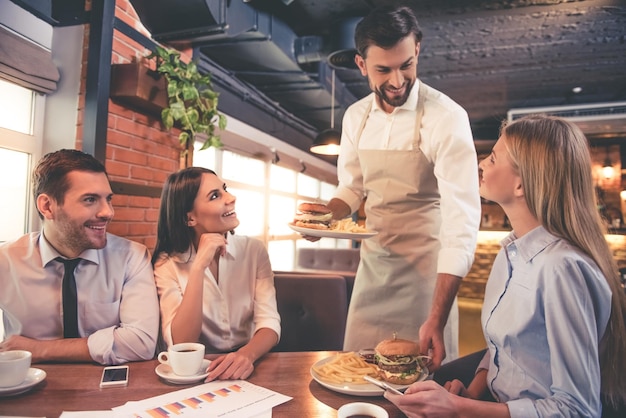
(346, 368)
(347, 225)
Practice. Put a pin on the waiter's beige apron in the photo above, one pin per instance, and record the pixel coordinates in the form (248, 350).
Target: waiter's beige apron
(396, 278)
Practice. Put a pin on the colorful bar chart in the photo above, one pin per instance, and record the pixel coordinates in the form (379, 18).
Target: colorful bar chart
(196, 402)
(230, 399)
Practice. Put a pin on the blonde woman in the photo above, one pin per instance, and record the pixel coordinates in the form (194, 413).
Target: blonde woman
(553, 313)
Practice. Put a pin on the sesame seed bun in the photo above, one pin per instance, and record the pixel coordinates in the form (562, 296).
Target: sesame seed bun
(308, 207)
(398, 347)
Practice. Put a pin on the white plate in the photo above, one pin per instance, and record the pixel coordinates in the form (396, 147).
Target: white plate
(33, 377)
(165, 371)
(329, 233)
(363, 389)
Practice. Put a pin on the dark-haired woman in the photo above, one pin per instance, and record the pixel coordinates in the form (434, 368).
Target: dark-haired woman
(214, 288)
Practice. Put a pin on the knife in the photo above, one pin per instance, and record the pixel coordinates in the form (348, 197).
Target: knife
(382, 385)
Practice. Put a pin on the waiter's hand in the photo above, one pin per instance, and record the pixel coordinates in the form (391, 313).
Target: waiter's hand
(431, 343)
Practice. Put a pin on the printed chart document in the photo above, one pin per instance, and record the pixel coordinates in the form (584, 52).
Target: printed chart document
(223, 399)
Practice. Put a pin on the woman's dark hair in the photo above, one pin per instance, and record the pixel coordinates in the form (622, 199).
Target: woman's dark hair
(179, 192)
(384, 27)
(50, 175)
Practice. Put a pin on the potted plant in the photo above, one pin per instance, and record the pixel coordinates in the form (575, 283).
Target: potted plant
(192, 102)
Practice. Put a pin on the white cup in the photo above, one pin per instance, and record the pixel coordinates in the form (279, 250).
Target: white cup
(14, 367)
(185, 359)
(361, 409)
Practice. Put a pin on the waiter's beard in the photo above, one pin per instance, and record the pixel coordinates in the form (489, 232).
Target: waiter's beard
(395, 100)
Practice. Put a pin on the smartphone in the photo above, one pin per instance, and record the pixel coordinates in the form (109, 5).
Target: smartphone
(383, 385)
(114, 376)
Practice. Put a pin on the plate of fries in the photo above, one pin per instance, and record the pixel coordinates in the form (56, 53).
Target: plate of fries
(344, 373)
(342, 229)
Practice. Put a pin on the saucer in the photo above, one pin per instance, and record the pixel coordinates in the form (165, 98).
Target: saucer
(33, 377)
(165, 371)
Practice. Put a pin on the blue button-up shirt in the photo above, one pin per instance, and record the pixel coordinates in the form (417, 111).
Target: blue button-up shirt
(546, 307)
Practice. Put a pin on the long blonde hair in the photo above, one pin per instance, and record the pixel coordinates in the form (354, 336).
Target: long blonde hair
(552, 158)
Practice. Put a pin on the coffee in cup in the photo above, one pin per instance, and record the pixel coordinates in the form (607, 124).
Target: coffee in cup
(185, 359)
(14, 365)
(361, 409)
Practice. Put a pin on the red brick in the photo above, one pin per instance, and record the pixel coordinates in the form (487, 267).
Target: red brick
(120, 200)
(118, 228)
(129, 214)
(131, 127)
(116, 168)
(152, 215)
(141, 173)
(139, 202)
(146, 229)
(129, 156)
(119, 138)
(120, 110)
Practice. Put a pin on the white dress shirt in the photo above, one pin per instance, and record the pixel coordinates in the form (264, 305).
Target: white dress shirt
(117, 301)
(243, 301)
(446, 140)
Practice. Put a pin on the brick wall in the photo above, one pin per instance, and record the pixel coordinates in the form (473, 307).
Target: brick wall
(139, 152)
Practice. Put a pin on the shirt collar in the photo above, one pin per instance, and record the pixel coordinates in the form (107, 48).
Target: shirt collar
(49, 253)
(531, 243)
(410, 104)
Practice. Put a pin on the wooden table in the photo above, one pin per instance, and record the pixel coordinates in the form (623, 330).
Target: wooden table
(75, 387)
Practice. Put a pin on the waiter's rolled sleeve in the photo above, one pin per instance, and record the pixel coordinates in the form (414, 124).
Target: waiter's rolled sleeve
(456, 169)
(454, 261)
(349, 197)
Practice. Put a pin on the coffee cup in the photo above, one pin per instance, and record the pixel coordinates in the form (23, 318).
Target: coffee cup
(361, 410)
(185, 359)
(14, 365)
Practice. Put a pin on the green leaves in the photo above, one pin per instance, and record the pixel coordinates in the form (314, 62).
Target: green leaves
(192, 100)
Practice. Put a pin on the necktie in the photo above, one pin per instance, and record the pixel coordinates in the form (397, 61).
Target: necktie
(70, 305)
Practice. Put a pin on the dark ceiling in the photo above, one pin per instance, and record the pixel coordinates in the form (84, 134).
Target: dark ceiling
(489, 56)
(269, 59)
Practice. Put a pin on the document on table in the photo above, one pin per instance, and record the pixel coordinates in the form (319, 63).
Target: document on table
(224, 399)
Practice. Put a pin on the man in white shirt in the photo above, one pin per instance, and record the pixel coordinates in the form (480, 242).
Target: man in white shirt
(408, 149)
(113, 316)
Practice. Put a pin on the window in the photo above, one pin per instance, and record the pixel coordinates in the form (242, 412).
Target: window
(14, 175)
(21, 116)
(16, 108)
(267, 198)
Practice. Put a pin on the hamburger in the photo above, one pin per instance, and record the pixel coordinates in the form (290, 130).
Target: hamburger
(398, 361)
(313, 215)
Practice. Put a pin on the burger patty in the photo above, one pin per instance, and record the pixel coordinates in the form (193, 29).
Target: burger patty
(399, 368)
(397, 364)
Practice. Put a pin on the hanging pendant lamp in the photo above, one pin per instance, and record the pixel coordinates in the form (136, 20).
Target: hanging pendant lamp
(327, 141)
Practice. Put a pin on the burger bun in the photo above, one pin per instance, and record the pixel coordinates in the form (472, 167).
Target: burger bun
(398, 347)
(398, 379)
(308, 207)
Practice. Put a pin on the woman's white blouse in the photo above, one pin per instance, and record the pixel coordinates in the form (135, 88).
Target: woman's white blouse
(243, 301)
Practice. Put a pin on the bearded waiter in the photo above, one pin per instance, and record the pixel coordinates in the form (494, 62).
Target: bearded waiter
(408, 149)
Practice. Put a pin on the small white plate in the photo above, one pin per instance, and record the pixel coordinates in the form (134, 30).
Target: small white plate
(357, 389)
(329, 233)
(33, 377)
(165, 371)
